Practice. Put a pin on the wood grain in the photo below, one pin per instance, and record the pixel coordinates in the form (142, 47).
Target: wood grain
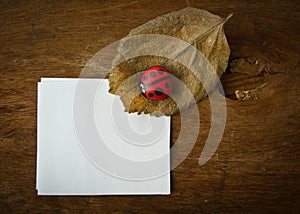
(257, 165)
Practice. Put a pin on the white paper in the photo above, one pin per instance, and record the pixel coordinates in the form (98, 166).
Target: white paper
(83, 136)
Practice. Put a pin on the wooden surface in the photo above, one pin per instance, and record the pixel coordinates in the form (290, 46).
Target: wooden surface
(257, 165)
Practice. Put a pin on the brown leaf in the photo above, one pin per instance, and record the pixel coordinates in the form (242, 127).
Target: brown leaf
(189, 43)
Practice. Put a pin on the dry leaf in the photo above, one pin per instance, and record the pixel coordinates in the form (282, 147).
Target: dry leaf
(192, 36)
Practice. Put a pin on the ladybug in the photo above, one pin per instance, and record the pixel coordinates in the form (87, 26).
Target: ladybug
(156, 83)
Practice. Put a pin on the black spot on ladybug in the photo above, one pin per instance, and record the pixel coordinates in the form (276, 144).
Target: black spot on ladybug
(145, 78)
(160, 71)
(152, 74)
(158, 91)
(167, 85)
(150, 94)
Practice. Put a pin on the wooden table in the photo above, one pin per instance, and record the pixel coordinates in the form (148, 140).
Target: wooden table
(257, 165)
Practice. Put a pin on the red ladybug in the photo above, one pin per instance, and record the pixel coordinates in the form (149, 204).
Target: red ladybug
(156, 83)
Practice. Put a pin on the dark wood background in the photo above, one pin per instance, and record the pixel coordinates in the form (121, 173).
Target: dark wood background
(257, 165)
